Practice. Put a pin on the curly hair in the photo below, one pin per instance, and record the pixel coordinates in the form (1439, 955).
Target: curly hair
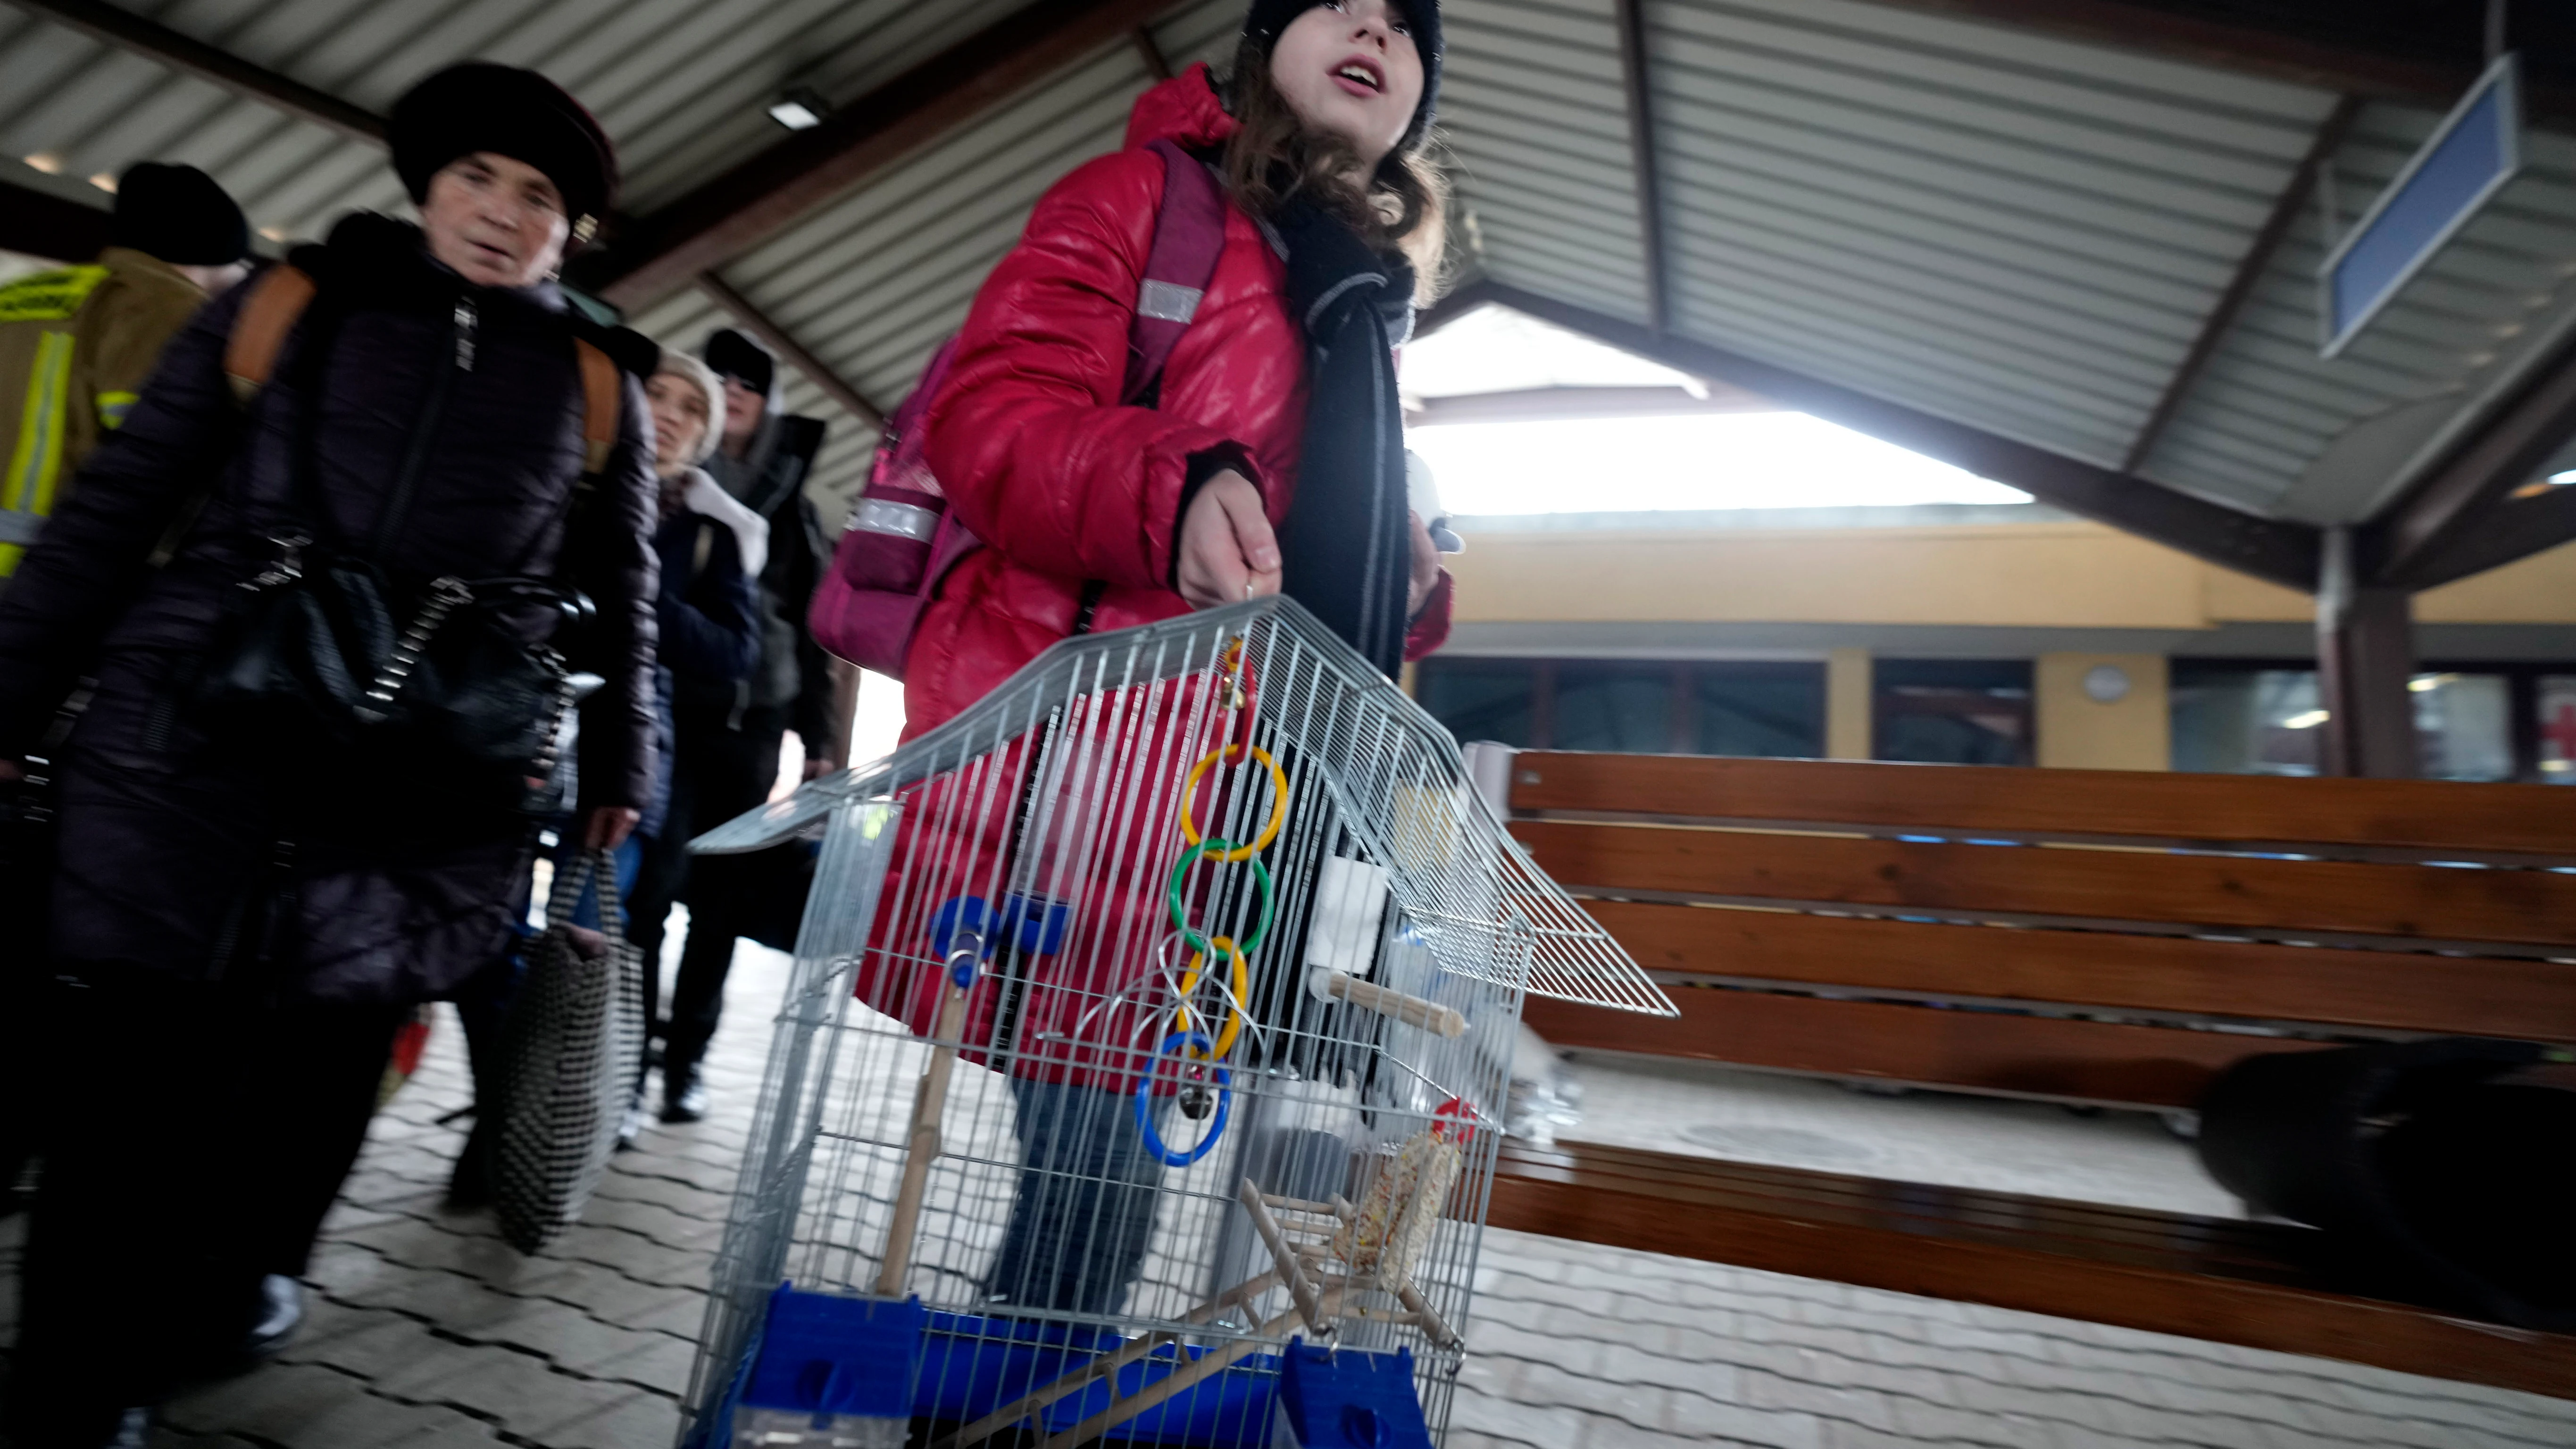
(1401, 210)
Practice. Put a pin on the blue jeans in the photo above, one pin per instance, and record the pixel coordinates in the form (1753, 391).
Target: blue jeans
(1084, 1212)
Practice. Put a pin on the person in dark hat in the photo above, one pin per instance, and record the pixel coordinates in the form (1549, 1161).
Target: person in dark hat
(729, 733)
(76, 344)
(251, 910)
(80, 340)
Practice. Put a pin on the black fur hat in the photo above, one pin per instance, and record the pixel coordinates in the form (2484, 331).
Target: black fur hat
(1269, 17)
(179, 214)
(479, 106)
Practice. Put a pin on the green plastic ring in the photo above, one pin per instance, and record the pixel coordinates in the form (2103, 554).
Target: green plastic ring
(1190, 936)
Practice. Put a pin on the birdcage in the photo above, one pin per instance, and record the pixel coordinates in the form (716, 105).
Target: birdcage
(1149, 1033)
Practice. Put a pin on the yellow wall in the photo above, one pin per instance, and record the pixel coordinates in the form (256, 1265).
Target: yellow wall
(2037, 575)
(2079, 732)
(1851, 724)
(2048, 575)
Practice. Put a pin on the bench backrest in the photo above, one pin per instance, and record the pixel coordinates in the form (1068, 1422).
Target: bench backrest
(2096, 936)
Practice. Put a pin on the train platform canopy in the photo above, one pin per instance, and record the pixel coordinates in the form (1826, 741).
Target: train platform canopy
(2071, 245)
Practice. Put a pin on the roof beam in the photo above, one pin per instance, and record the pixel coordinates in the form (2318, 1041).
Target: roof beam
(185, 53)
(1150, 51)
(780, 341)
(2431, 54)
(2447, 528)
(729, 215)
(39, 224)
(2250, 271)
(1634, 80)
(2281, 551)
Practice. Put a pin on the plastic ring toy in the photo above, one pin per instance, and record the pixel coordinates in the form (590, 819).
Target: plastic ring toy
(1237, 854)
(1145, 1102)
(1242, 982)
(1211, 849)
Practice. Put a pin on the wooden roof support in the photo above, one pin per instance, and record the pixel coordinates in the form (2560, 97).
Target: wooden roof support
(1157, 64)
(2250, 271)
(780, 341)
(1638, 85)
(185, 53)
(729, 215)
(2438, 531)
(2282, 551)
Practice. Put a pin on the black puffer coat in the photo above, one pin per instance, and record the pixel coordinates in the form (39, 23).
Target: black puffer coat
(169, 840)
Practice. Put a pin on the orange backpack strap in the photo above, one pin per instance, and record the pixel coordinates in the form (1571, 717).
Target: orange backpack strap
(277, 299)
(602, 394)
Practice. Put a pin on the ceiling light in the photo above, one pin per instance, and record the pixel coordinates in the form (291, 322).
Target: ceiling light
(2558, 767)
(273, 233)
(104, 182)
(800, 109)
(2308, 721)
(46, 161)
(2567, 477)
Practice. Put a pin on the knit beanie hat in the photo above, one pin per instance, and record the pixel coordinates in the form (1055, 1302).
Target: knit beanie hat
(179, 214)
(479, 106)
(681, 365)
(733, 355)
(1269, 17)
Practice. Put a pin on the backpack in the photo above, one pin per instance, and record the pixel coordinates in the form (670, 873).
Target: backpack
(902, 539)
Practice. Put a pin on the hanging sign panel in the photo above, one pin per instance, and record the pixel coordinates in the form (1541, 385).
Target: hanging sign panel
(2475, 151)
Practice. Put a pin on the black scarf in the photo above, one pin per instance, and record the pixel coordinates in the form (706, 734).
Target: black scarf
(1344, 552)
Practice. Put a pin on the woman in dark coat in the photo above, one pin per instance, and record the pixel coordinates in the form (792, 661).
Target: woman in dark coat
(247, 923)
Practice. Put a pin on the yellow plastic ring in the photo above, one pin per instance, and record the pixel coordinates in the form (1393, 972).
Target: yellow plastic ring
(1278, 802)
(1241, 972)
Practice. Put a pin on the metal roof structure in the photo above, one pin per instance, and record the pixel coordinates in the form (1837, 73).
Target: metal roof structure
(2070, 244)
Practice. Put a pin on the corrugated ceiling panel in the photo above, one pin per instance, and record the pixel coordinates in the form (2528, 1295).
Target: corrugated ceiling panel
(2016, 232)
(875, 280)
(1534, 111)
(2273, 425)
(681, 85)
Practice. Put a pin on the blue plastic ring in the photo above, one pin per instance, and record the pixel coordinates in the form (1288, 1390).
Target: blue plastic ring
(1145, 1101)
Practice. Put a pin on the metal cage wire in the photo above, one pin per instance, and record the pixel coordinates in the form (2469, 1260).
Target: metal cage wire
(1153, 1011)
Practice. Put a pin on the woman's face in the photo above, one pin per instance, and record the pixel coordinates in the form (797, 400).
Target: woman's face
(1348, 68)
(494, 221)
(679, 409)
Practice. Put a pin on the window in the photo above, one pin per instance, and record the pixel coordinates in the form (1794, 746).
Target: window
(2554, 725)
(2235, 718)
(2232, 719)
(1631, 707)
(1953, 711)
(1481, 699)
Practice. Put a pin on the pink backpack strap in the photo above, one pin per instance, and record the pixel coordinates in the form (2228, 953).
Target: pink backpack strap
(1189, 234)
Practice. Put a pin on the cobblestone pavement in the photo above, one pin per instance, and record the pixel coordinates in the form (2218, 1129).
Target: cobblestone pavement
(428, 1333)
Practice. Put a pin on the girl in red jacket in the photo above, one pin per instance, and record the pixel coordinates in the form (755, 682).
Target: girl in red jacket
(1269, 460)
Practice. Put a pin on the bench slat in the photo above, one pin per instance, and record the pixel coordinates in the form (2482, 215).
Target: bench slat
(2389, 990)
(2427, 814)
(2523, 906)
(2090, 1061)
(2215, 1281)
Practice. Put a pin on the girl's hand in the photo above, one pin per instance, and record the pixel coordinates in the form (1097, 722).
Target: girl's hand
(1426, 567)
(1227, 551)
(607, 827)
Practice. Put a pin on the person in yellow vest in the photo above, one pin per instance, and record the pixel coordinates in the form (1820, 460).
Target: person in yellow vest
(76, 343)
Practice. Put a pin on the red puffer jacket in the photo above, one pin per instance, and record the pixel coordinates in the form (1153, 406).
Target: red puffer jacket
(1064, 485)
(1035, 454)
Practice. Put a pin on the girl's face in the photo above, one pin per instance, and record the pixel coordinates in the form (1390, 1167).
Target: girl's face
(679, 409)
(1348, 68)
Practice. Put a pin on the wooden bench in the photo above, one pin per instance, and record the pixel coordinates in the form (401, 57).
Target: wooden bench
(2091, 937)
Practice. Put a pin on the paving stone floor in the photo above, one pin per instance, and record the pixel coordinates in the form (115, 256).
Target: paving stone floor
(428, 1333)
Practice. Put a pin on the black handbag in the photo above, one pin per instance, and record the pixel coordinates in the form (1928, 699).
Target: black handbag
(449, 694)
